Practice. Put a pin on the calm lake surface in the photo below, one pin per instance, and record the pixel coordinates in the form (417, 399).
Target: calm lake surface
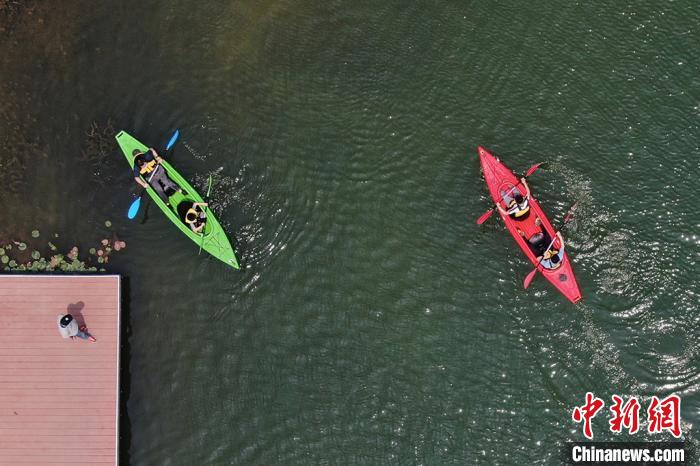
(373, 321)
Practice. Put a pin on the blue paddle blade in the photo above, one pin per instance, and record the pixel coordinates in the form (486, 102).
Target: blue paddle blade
(134, 209)
(176, 135)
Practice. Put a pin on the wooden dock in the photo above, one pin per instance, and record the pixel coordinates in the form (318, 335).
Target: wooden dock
(59, 398)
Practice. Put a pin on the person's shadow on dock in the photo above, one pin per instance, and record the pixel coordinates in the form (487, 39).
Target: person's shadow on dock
(76, 310)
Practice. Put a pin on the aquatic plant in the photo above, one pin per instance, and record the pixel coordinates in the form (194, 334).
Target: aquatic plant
(35, 233)
(68, 262)
(108, 223)
(98, 147)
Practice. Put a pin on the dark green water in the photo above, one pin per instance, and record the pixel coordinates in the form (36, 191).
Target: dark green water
(374, 322)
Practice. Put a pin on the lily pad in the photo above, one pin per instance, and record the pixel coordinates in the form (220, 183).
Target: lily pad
(35, 233)
(92, 251)
(108, 224)
(100, 260)
(13, 263)
(4, 259)
(2, 251)
(22, 246)
(36, 255)
(8, 246)
(52, 246)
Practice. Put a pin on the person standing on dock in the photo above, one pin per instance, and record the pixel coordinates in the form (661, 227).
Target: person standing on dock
(68, 328)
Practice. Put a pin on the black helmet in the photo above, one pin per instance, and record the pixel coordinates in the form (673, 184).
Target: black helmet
(66, 320)
(518, 198)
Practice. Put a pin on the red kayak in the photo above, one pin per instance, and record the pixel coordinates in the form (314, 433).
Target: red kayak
(531, 226)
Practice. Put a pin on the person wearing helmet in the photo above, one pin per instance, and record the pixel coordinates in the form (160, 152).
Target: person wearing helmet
(68, 328)
(518, 207)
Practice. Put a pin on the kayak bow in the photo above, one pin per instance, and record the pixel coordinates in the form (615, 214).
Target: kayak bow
(213, 239)
(499, 178)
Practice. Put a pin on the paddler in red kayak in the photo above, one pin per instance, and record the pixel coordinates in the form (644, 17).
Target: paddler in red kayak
(518, 207)
(542, 246)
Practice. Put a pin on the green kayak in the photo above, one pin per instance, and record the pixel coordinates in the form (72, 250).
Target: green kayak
(214, 241)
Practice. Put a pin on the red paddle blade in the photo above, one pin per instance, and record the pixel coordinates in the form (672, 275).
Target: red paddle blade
(529, 278)
(533, 169)
(570, 214)
(484, 217)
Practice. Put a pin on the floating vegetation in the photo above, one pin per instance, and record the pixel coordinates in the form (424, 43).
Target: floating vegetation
(99, 144)
(67, 262)
(73, 254)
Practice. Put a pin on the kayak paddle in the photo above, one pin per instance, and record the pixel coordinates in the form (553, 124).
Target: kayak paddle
(569, 215)
(136, 205)
(488, 213)
(201, 245)
(176, 135)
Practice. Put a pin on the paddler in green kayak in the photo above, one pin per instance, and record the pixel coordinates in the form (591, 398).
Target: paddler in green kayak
(518, 207)
(148, 165)
(195, 216)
